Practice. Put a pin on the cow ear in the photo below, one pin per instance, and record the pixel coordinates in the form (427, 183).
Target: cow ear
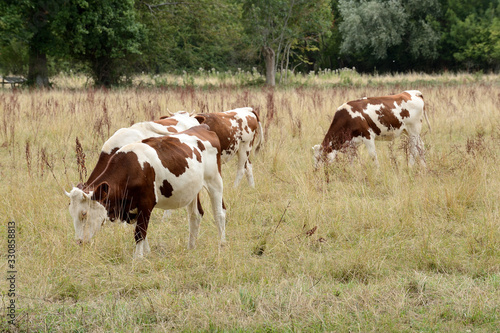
(101, 192)
(201, 119)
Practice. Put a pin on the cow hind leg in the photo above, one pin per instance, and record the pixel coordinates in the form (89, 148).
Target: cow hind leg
(215, 189)
(243, 152)
(416, 148)
(421, 151)
(249, 173)
(195, 213)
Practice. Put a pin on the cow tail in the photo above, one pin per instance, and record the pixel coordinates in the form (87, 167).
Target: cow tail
(427, 120)
(419, 94)
(259, 140)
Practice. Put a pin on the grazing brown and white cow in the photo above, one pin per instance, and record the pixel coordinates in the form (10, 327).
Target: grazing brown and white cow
(177, 122)
(240, 133)
(165, 172)
(381, 118)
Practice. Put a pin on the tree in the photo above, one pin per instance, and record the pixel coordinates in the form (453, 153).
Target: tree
(274, 26)
(29, 24)
(103, 34)
(390, 30)
(473, 34)
(191, 35)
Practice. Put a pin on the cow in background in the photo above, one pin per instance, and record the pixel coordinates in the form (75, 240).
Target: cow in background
(164, 172)
(368, 119)
(240, 133)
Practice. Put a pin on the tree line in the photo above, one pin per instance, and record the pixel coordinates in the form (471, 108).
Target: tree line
(111, 40)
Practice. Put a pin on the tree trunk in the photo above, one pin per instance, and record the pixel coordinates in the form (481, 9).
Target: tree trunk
(104, 72)
(38, 72)
(270, 69)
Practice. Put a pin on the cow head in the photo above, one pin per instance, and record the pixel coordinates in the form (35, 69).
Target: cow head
(88, 215)
(116, 203)
(321, 157)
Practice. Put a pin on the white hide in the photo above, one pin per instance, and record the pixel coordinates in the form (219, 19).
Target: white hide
(88, 215)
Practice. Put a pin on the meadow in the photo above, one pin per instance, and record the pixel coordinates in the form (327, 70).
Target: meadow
(394, 249)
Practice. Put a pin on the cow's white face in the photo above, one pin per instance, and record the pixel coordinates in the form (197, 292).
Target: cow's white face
(319, 159)
(88, 215)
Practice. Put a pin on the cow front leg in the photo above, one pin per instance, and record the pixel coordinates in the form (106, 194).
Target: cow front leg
(370, 146)
(142, 249)
(195, 213)
(141, 242)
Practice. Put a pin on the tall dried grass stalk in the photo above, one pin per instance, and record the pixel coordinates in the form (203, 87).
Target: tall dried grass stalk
(80, 161)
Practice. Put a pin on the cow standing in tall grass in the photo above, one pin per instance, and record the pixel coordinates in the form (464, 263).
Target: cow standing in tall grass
(240, 133)
(164, 172)
(371, 118)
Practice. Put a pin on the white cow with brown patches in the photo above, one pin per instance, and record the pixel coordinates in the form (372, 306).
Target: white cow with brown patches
(240, 133)
(164, 172)
(375, 118)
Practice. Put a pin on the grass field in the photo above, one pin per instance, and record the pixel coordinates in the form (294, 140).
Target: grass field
(387, 250)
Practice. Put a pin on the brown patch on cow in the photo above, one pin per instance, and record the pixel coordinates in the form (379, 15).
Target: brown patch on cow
(167, 121)
(405, 114)
(101, 165)
(172, 153)
(125, 185)
(166, 189)
(201, 146)
(388, 118)
(343, 128)
(198, 155)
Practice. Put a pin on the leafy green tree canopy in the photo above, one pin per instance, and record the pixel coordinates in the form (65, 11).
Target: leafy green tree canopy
(379, 26)
(102, 34)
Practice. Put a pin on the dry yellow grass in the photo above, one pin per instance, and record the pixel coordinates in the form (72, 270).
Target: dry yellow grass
(388, 250)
